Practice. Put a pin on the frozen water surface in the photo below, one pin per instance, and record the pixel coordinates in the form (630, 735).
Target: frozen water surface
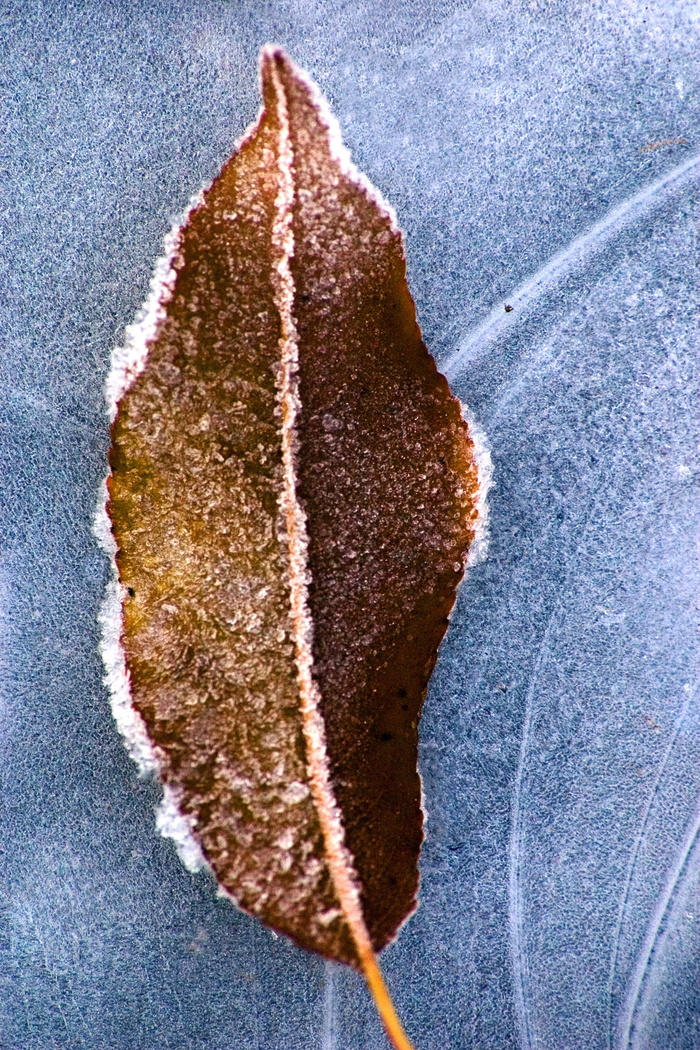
(540, 155)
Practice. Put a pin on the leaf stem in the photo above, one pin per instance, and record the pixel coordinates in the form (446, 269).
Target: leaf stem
(383, 1002)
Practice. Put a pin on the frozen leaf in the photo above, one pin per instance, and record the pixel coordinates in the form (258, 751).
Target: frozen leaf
(293, 494)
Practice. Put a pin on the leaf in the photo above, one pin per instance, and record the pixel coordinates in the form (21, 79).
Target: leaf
(293, 493)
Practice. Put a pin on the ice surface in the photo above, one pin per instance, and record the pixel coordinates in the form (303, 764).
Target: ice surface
(560, 737)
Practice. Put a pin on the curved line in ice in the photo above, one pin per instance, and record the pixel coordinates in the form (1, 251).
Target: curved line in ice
(634, 856)
(476, 342)
(654, 932)
(515, 847)
(329, 1039)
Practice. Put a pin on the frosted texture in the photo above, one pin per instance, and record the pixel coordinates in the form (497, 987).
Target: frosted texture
(560, 737)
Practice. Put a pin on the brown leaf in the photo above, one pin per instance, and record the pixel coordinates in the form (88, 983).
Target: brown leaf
(293, 494)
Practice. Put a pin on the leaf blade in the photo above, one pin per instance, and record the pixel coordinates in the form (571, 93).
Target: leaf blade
(238, 760)
(376, 508)
(230, 492)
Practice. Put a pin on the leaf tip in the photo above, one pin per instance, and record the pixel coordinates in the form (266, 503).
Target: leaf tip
(273, 57)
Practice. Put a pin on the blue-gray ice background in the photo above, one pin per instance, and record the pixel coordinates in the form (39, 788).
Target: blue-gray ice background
(538, 154)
